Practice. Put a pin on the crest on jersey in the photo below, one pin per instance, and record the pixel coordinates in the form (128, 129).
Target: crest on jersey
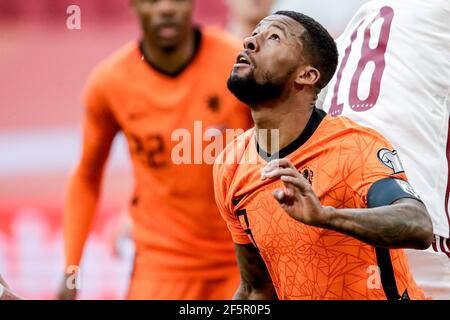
(308, 174)
(391, 160)
(214, 103)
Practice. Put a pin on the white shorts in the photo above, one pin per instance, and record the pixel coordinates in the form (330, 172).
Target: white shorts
(431, 268)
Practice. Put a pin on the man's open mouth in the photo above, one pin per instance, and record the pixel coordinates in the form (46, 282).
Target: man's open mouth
(167, 30)
(243, 59)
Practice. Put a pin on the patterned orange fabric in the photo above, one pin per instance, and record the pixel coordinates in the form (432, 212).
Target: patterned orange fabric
(340, 161)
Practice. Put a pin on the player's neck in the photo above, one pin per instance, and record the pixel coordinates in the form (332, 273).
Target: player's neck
(283, 121)
(170, 61)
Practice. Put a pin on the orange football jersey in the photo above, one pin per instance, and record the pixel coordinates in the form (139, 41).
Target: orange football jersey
(340, 160)
(176, 225)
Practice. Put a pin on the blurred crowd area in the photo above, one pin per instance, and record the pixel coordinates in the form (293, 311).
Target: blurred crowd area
(43, 67)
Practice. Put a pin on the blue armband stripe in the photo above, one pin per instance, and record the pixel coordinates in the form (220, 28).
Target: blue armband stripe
(386, 191)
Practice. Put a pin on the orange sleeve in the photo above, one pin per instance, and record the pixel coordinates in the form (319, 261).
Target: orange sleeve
(99, 129)
(377, 160)
(220, 190)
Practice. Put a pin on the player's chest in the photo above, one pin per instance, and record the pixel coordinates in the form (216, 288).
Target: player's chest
(270, 228)
(261, 216)
(176, 131)
(143, 110)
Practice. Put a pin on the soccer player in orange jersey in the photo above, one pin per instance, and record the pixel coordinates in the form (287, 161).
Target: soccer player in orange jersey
(323, 211)
(147, 90)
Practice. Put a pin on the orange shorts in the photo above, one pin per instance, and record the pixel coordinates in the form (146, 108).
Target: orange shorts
(147, 288)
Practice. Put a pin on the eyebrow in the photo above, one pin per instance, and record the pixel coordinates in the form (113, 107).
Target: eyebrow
(283, 29)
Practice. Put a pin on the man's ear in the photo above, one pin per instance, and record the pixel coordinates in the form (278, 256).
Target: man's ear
(308, 76)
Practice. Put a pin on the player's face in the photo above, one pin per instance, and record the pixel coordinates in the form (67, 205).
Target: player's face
(270, 61)
(165, 22)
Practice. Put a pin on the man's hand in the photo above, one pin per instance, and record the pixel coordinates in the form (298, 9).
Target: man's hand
(5, 292)
(64, 292)
(297, 199)
(402, 224)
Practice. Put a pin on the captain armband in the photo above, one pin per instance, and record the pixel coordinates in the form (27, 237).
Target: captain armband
(386, 191)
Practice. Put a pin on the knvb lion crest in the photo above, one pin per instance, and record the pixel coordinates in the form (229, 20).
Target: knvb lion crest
(214, 103)
(308, 174)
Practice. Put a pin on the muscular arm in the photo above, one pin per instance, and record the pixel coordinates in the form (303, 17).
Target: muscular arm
(256, 283)
(404, 224)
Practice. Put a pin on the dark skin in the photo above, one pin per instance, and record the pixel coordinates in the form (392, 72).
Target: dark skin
(168, 33)
(275, 53)
(256, 283)
(275, 50)
(404, 224)
(168, 37)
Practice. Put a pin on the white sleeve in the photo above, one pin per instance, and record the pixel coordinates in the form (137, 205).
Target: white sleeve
(321, 98)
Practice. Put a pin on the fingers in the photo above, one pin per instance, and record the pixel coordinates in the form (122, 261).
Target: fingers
(299, 182)
(277, 173)
(287, 172)
(277, 168)
(284, 163)
(281, 196)
(285, 196)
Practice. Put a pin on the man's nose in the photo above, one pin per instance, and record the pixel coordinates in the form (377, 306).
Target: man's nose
(166, 7)
(251, 44)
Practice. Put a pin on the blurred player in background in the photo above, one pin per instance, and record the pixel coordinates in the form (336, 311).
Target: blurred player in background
(176, 75)
(394, 76)
(329, 219)
(242, 19)
(244, 15)
(5, 291)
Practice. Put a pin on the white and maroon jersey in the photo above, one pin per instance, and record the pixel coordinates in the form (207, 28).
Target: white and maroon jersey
(394, 76)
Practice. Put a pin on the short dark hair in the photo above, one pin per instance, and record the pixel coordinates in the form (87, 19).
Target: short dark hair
(319, 45)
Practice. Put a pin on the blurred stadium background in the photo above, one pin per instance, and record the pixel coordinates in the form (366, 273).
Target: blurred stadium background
(44, 66)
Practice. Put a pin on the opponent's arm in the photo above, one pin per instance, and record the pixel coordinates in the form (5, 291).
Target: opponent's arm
(402, 224)
(256, 283)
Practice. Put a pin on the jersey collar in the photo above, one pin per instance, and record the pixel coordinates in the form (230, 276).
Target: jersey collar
(313, 123)
(198, 41)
